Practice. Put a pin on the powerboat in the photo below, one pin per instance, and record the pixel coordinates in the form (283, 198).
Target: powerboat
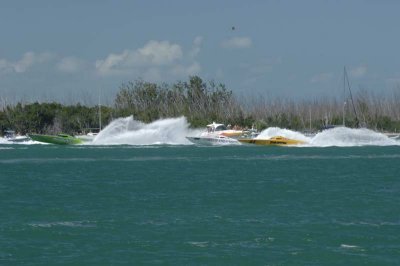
(213, 140)
(89, 137)
(60, 139)
(276, 141)
(394, 136)
(217, 134)
(223, 130)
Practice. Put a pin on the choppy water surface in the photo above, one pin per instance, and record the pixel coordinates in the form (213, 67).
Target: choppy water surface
(182, 204)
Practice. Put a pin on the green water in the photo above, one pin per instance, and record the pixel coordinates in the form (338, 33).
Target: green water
(181, 205)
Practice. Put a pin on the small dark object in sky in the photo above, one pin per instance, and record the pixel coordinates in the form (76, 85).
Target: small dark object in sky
(233, 27)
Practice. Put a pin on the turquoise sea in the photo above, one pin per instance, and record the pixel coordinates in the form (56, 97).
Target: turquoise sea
(188, 205)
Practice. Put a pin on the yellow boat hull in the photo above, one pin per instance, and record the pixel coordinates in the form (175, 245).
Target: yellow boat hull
(276, 141)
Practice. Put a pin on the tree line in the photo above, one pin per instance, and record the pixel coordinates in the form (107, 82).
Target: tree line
(51, 118)
(201, 103)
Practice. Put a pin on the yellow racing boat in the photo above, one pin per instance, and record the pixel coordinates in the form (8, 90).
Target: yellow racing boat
(277, 141)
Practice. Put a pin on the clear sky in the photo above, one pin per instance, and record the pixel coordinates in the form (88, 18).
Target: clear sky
(76, 50)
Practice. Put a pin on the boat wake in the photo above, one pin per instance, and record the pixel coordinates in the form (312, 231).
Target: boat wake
(339, 136)
(287, 133)
(24, 142)
(173, 131)
(346, 137)
(129, 131)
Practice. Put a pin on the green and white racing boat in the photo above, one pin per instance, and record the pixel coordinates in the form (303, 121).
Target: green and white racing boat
(60, 139)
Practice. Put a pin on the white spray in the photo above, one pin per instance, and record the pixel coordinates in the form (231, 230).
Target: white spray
(132, 132)
(343, 136)
(339, 136)
(174, 131)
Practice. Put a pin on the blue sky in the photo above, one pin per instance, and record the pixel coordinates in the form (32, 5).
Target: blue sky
(76, 50)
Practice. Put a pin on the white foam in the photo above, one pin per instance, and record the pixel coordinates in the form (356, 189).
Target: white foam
(348, 246)
(339, 136)
(200, 244)
(132, 132)
(64, 223)
(287, 133)
(345, 137)
(173, 131)
(25, 142)
(6, 148)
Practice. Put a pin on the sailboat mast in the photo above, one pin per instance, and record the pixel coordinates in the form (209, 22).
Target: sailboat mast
(351, 98)
(99, 114)
(344, 96)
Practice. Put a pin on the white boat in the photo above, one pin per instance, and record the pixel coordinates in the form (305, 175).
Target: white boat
(213, 140)
(89, 137)
(392, 135)
(217, 134)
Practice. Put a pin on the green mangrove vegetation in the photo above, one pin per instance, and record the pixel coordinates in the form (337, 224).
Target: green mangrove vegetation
(201, 103)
